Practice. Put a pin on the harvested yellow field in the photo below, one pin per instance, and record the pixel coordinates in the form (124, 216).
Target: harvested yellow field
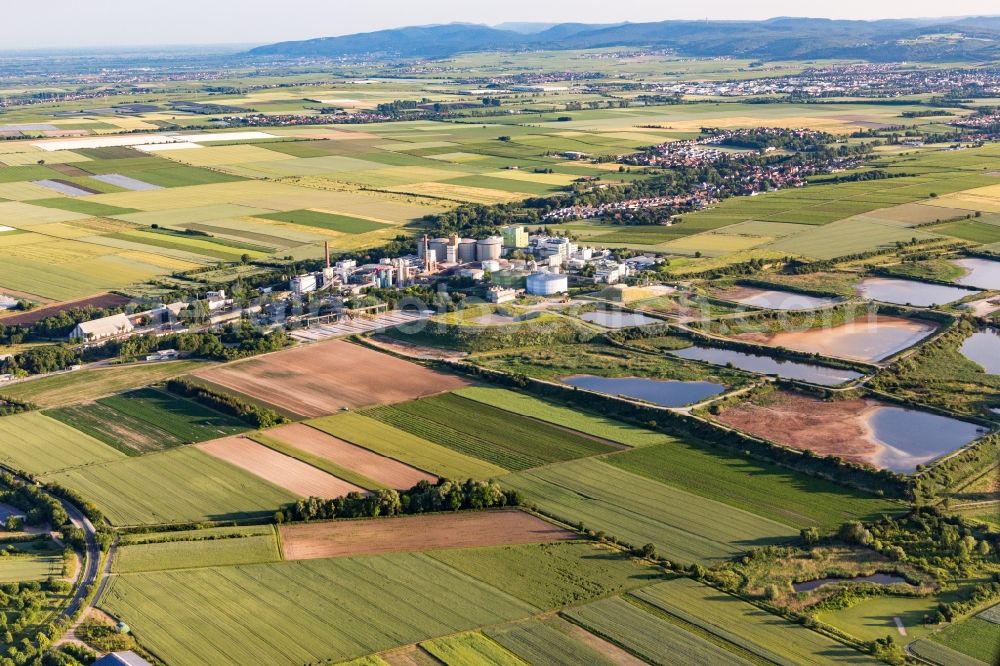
(460, 193)
(57, 252)
(128, 123)
(9, 240)
(22, 215)
(31, 155)
(531, 177)
(713, 244)
(223, 155)
(24, 191)
(457, 158)
(986, 199)
(166, 263)
(61, 230)
(101, 225)
(271, 196)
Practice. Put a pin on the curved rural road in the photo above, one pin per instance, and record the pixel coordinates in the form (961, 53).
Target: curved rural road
(91, 573)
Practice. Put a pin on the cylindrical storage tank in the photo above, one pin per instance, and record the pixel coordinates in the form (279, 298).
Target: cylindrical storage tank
(546, 284)
(466, 250)
(440, 248)
(489, 249)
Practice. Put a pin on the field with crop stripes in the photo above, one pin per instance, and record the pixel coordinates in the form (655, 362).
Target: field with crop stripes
(19, 568)
(543, 410)
(761, 488)
(547, 641)
(284, 613)
(683, 527)
(471, 649)
(130, 435)
(178, 485)
(552, 574)
(649, 637)
(974, 637)
(494, 435)
(405, 447)
(936, 653)
(179, 417)
(39, 445)
(197, 548)
(771, 637)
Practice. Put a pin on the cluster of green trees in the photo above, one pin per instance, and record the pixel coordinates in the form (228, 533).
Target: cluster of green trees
(864, 176)
(39, 508)
(425, 497)
(234, 341)
(10, 406)
(759, 138)
(255, 415)
(942, 545)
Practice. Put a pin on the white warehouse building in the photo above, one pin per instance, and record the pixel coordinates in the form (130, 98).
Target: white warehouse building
(546, 284)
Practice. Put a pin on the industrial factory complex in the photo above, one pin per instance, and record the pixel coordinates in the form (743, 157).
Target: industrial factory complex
(499, 268)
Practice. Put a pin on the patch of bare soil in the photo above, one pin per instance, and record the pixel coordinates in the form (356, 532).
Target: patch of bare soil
(468, 529)
(836, 428)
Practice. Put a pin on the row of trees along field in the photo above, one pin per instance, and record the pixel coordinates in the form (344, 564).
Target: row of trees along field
(425, 497)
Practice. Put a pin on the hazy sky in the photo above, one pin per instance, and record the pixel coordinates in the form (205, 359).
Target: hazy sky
(71, 23)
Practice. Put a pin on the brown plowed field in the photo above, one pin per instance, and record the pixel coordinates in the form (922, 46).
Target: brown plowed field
(35, 316)
(468, 529)
(837, 428)
(291, 474)
(386, 471)
(324, 378)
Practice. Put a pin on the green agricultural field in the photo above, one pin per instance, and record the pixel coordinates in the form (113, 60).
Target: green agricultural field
(406, 448)
(213, 249)
(970, 230)
(847, 237)
(682, 526)
(550, 412)
(471, 649)
(83, 206)
(551, 575)
(329, 221)
(936, 653)
(873, 618)
(547, 641)
(653, 639)
(178, 485)
(23, 568)
(488, 433)
(74, 387)
(772, 638)
(755, 486)
(179, 417)
(126, 433)
(224, 546)
(39, 445)
(975, 637)
(283, 613)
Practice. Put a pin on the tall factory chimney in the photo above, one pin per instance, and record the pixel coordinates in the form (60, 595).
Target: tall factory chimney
(326, 249)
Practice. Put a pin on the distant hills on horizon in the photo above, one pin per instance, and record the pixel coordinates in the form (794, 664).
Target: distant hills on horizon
(966, 39)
